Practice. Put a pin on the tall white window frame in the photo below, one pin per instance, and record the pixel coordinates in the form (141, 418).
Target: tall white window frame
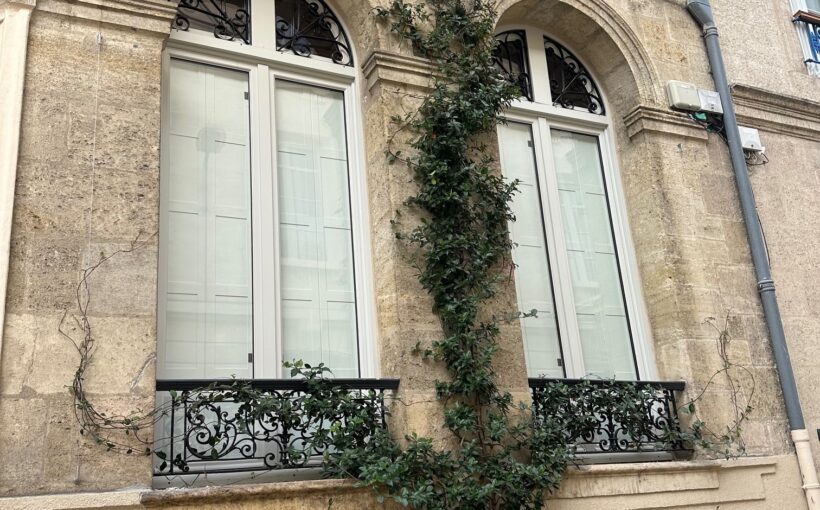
(542, 116)
(264, 65)
(806, 35)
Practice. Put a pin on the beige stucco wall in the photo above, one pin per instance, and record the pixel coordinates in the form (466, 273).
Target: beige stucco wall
(87, 182)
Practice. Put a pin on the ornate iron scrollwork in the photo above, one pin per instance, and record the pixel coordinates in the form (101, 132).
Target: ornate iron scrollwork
(607, 428)
(511, 59)
(229, 19)
(571, 86)
(309, 27)
(210, 431)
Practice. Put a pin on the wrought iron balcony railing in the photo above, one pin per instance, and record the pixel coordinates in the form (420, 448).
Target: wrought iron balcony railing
(613, 417)
(208, 429)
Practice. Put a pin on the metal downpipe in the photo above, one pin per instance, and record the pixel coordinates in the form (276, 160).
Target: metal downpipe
(701, 11)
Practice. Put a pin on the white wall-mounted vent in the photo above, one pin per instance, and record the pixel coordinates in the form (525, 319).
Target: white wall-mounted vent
(750, 139)
(683, 96)
(710, 101)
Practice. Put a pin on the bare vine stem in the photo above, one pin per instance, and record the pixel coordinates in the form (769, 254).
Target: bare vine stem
(731, 439)
(101, 427)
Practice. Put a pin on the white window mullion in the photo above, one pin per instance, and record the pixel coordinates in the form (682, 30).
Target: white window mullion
(207, 218)
(561, 275)
(267, 358)
(278, 330)
(202, 261)
(263, 24)
(538, 67)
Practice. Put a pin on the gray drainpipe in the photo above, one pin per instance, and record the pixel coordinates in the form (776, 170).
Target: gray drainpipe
(702, 12)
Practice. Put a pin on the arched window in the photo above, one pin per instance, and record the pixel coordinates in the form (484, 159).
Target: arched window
(262, 225)
(572, 250)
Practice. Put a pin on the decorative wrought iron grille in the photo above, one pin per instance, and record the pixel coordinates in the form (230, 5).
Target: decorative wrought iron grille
(511, 59)
(211, 431)
(610, 426)
(228, 19)
(309, 27)
(571, 86)
(811, 22)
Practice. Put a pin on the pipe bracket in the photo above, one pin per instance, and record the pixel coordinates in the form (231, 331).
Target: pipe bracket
(765, 286)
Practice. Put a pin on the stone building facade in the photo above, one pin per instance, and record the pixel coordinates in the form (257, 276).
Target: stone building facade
(86, 112)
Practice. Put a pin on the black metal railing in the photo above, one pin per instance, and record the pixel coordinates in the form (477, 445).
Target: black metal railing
(613, 417)
(207, 429)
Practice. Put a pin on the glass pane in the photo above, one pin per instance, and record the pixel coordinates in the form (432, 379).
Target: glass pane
(532, 276)
(606, 342)
(205, 248)
(316, 243)
(813, 5)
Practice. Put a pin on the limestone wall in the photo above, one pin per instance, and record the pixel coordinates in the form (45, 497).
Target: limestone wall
(87, 183)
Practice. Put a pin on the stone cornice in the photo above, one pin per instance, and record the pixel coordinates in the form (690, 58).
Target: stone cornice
(149, 15)
(397, 69)
(777, 113)
(269, 491)
(756, 107)
(647, 118)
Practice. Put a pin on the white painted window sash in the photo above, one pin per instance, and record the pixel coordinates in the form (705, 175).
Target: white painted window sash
(543, 116)
(264, 65)
(557, 253)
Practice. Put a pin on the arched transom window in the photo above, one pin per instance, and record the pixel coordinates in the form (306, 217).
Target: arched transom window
(263, 248)
(302, 27)
(572, 250)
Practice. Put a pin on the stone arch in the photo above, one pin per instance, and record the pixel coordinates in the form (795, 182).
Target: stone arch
(601, 38)
(349, 14)
(362, 27)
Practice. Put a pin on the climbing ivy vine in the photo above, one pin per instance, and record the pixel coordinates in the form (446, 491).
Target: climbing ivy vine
(500, 461)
